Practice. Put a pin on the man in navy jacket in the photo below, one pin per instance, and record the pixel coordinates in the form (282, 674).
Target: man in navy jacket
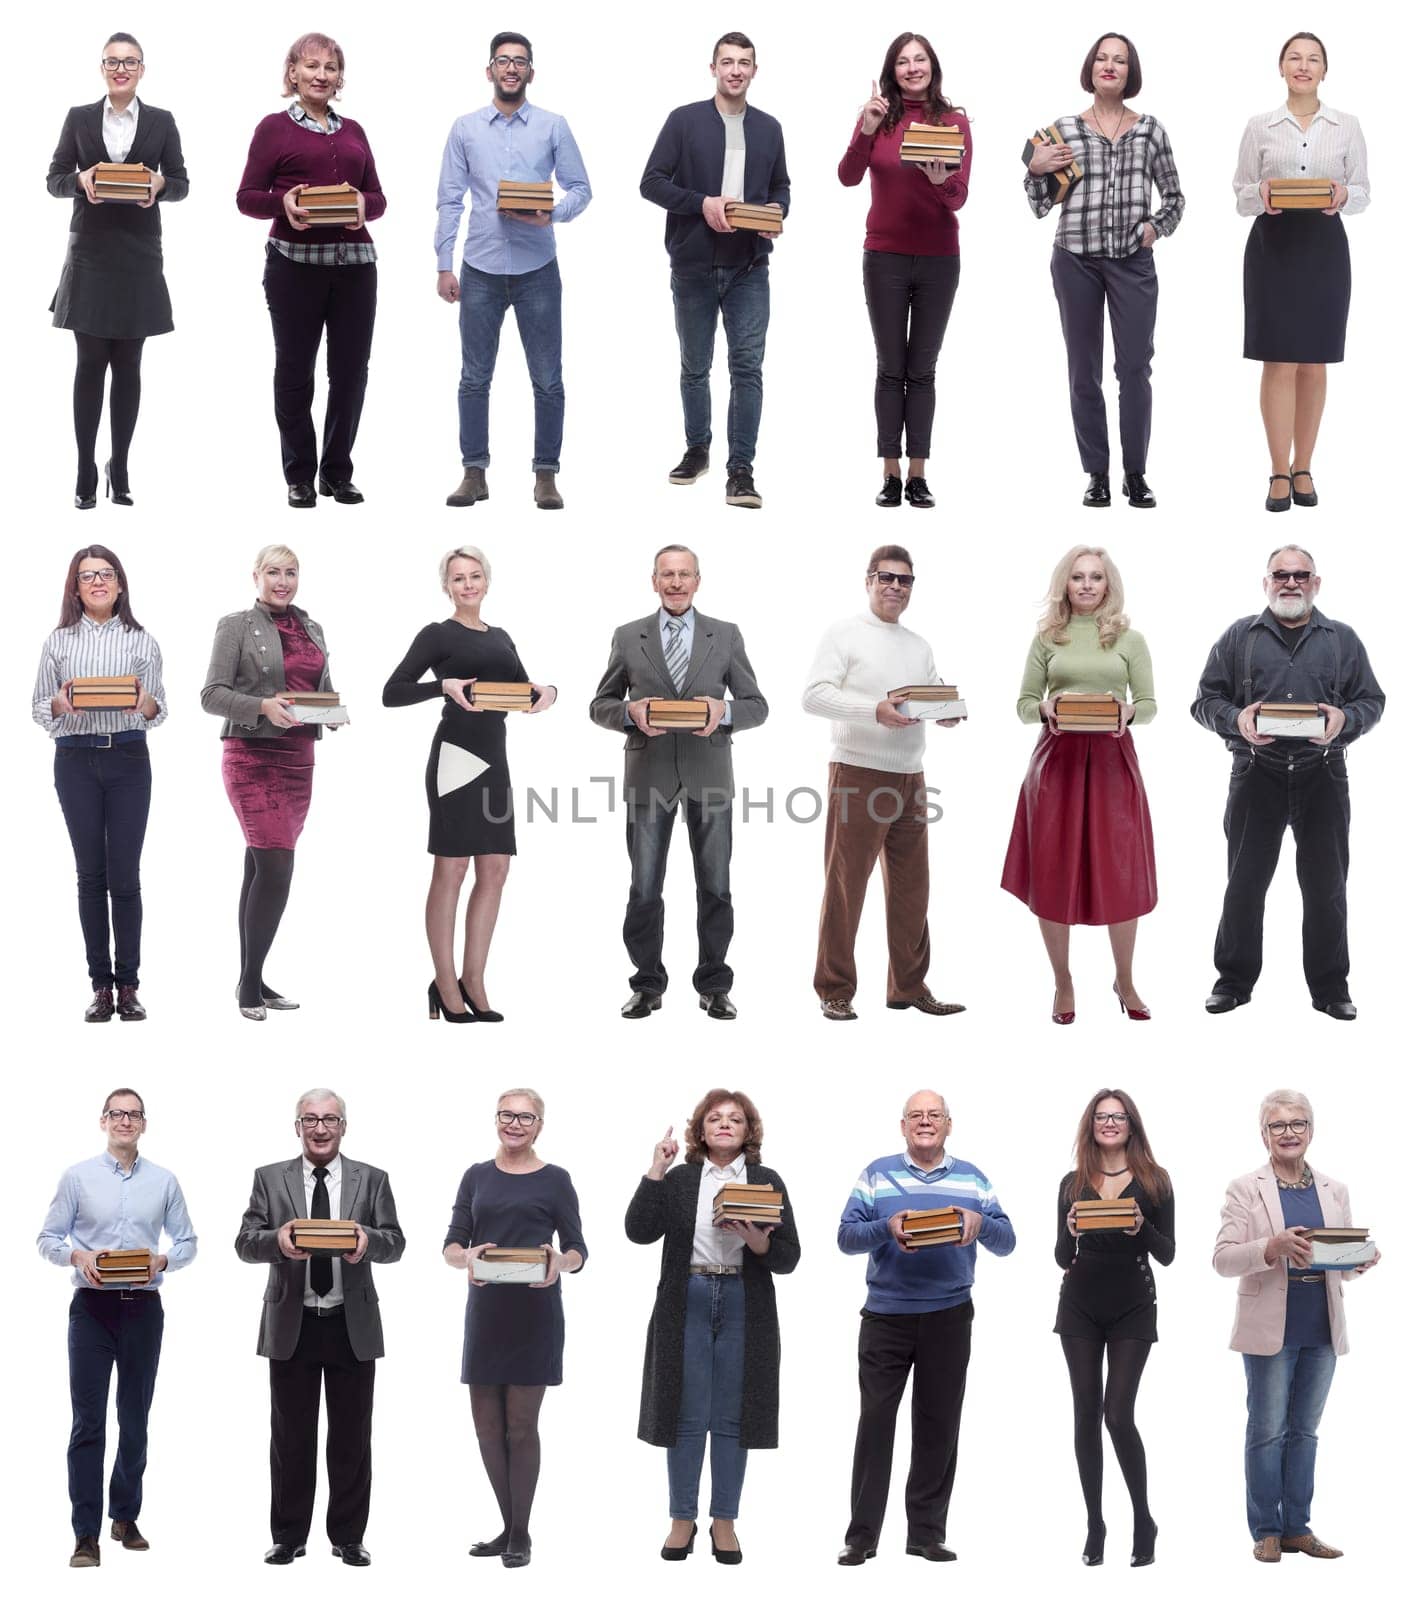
(707, 154)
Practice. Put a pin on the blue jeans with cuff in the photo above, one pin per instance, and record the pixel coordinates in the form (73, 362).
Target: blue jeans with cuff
(483, 301)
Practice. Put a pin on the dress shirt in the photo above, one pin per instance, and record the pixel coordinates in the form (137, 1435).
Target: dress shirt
(120, 129)
(92, 649)
(687, 636)
(333, 1173)
(99, 1206)
(486, 146)
(715, 1246)
(1275, 146)
(1105, 210)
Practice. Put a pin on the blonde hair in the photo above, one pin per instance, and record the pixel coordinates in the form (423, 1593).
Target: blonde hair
(307, 41)
(1283, 1097)
(277, 553)
(464, 552)
(1112, 622)
(538, 1103)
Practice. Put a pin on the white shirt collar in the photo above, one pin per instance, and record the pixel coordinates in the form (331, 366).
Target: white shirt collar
(1284, 114)
(130, 110)
(732, 1173)
(332, 1171)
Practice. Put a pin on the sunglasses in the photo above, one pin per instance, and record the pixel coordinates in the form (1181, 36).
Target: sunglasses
(903, 580)
(1284, 575)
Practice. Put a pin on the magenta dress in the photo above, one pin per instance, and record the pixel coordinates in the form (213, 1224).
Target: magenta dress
(268, 781)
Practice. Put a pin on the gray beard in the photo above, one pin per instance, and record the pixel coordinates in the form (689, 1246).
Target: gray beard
(1294, 610)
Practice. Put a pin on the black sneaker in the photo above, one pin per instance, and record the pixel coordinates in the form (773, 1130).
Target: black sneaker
(917, 493)
(890, 491)
(692, 467)
(740, 490)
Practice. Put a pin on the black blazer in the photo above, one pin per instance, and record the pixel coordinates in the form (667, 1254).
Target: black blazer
(80, 147)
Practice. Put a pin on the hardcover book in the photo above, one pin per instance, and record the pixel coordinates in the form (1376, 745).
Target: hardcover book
(1300, 194)
(677, 714)
(1290, 719)
(928, 141)
(508, 1265)
(1058, 182)
(324, 1236)
(756, 219)
(103, 694)
(331, 205)
(516, 195)
(119, 180)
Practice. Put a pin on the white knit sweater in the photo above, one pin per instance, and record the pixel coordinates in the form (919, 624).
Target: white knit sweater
(859, 661)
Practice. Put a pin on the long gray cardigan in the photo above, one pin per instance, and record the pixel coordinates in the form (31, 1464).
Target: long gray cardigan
(666, 1210)
(248, 666)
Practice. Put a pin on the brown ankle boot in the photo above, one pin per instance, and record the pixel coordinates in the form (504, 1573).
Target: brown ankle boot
(472, 488)
(546, 494)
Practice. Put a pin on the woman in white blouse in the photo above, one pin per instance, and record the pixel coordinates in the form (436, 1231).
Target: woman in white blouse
(1297, 275)
(101, 770)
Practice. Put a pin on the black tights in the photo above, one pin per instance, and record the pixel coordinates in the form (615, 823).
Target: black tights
(505, 1416)
(96, 357)
(265, 888)
(1116, 1406)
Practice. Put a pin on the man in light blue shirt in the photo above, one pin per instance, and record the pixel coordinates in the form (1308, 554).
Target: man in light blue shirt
(116, 1201)
(509, 260)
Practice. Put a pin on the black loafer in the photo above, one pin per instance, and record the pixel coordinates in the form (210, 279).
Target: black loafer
(343, 494)
(718, 1006)
(640, 1004)
(1298, 495)
(854, 1555)
(891, 491)
(353, 1555)
(917, 494)
(281, 1555)
(935, 1550)
(300, 496)
(1218, 1004)
(1339, 1010)
(1098, 491)
(1134, 486)
(691, 468)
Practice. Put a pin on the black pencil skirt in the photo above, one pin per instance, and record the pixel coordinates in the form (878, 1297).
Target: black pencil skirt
(1297, 283)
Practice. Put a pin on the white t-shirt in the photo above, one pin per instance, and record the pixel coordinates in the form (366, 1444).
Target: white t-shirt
(735, 155)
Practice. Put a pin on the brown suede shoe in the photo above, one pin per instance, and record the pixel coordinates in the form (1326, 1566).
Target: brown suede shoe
(1307, 1544)
(1267, 1549)
(127, 1534)
(546, 494)
(472, 488)
(86, 1552)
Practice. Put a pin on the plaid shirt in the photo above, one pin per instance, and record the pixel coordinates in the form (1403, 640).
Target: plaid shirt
(1104, 211)
(323, 252)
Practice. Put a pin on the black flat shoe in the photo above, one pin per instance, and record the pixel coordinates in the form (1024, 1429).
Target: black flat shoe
(729, 1558)
(477, 1016)
(300, 496)
(118, 494)
(1339, 1010)
(1134, 486)
(718, 1006)
(1298, 496)
(1218, 1004)
(281, 1555)
(1098, 491)
(1280, 502)
(680, 1552)
(343, 494)
(917, 494)
(640, 1004)
(490, 1547)
(853, 1555)
(891, 491)
(437, 1009)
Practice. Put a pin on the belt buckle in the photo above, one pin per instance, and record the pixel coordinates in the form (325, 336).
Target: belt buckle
(107, 739)
(128, 1294)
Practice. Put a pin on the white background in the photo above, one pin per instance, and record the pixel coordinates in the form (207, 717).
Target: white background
(205, 472)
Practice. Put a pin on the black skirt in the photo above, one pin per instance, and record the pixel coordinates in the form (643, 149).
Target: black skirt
(1108, 1297)
(1297, 284)
(473, 814)
(112, 286)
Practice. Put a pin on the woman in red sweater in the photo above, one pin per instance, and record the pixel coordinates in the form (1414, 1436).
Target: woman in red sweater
(319, 278)
(911, 261)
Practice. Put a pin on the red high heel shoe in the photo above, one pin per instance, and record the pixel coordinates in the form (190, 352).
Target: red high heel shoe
(1063, 1018)
(1141, 1014)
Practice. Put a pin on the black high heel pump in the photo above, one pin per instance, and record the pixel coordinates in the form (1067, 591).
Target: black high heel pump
(436, 1008)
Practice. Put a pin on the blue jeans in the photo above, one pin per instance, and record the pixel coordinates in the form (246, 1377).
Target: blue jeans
(1286, 1394)
(741, 295)
(482, 303)
(710, 1400)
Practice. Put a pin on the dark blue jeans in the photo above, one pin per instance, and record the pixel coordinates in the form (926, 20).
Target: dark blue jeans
(104, 795)
(108, 1326)
(1286, 1394)
(648, 825)
(710, 1400)
(482, 303)
(740, 295)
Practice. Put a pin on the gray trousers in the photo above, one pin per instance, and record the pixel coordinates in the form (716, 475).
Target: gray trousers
(1083, 285)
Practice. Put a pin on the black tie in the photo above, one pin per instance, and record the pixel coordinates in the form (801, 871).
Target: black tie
(322, 1269)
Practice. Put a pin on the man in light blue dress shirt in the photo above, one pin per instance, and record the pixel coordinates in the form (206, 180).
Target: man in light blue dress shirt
(509, 259)
(116, 1201)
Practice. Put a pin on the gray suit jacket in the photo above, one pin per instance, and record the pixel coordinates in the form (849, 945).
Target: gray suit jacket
(678, 763)
(278, 1195)
(248, 666)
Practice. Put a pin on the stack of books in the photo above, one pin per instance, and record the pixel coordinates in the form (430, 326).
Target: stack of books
(925, 141)
(1300, 194)
(318, 706)
(756, 219)
(1088, 713)
(490, 696)
(331, 205)
(104, 694)
(930, 702)
(498, 1265)
(322, 1236)
(1061, 181)
(1338, 1249)
(1290, 719)
(678, 714)
(747, 1202)
(515, 195)
(124, 1266)
(944, 1225)
(1103, 1216)
(118, 180)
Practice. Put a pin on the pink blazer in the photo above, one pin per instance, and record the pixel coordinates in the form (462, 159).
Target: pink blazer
(1252, 1216)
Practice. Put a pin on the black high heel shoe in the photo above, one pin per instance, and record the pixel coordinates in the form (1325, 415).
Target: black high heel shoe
(86, 489)
(1092, 1550)
(119, 495)
(477, 1016)
(1144, 1545)
(1280, 502)
(436, 1008)
(680, 1552)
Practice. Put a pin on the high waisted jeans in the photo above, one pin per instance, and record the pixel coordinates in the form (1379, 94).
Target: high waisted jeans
(711, 1400)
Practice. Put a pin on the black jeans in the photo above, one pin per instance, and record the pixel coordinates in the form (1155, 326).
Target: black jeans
(104, 795)
(1308, 792)
(936, 1345)
(908, 299)
(648, 825)
(306, 301)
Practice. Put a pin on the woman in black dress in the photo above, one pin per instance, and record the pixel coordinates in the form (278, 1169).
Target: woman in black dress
(111, 293)
(1108, 1303)
(469, 790)
(513, 1334)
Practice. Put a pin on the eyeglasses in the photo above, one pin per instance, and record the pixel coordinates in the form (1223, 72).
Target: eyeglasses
(121, 64)
(524, 1119)
(904, 580)
(1276, 1129)
(98, 575)
(125, 1116)
(1102, 1118)
(1282, 575)
(926, 1116)
(332, 1121)
(503, 62)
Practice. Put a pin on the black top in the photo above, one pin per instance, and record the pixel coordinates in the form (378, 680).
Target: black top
(1157, 1235)
(449, 650)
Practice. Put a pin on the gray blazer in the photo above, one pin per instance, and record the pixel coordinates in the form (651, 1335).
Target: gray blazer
(678, 763)
(277, 1196)
(248, 666)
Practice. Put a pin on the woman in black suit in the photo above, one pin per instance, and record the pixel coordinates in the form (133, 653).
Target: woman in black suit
(712, 1353)
(111, 293)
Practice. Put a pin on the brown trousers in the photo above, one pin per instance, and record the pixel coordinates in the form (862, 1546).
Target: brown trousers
(873, 814)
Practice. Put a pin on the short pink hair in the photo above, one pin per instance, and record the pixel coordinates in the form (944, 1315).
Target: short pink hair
(307, 41)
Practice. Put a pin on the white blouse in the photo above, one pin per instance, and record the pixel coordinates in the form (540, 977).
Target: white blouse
(715, 1246)
(120, 129)
(1275, 146)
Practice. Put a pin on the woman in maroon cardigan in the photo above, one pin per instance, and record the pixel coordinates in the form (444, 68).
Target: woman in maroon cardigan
(911, 261)
(319, 279)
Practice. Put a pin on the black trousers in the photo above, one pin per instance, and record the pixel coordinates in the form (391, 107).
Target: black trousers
(1307, 792)
(648, 826)
(908, 300)
(322, 1355)
(306, 301)
(936, 1345)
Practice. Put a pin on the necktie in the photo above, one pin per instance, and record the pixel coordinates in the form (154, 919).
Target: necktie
(322, 1269)
(676, 658)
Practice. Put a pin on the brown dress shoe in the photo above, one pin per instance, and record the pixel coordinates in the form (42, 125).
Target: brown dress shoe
(1267, 1549)
(1307, 1544)
(546, 494)
(86, 1552)
(838, 1011)
(130, 1008)
(100, 1008)
(928, 1004)
(472, 488)
(127, 1534)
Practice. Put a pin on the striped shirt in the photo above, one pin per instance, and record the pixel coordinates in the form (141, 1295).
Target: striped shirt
(1104, 211)
(92, 649)
(1275, 146)
(322, 252)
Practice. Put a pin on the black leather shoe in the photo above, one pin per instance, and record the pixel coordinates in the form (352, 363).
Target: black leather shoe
(128, 1536)
(1218, 1004)
(300, 496)
(718, 1006)
(517, 1553)
(130, 1008)
(86, 1551)
(86, 502)
(691, 468)
(472, 488)
(353, 1555)
(281, 1555)
(680, 1552)
(1281, 502)
(1339, 1010)
(119, 494)
(490, 1547)
(853, 1555)
(741, 490)
(640, 1004)
(1134, 486)
(891, 490)
(1098, 491)
(477, 1016)
(1300, 496)
(343, 494)
(726, 1557)
(935, 1550)
(100, 1008)
(917, 493)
